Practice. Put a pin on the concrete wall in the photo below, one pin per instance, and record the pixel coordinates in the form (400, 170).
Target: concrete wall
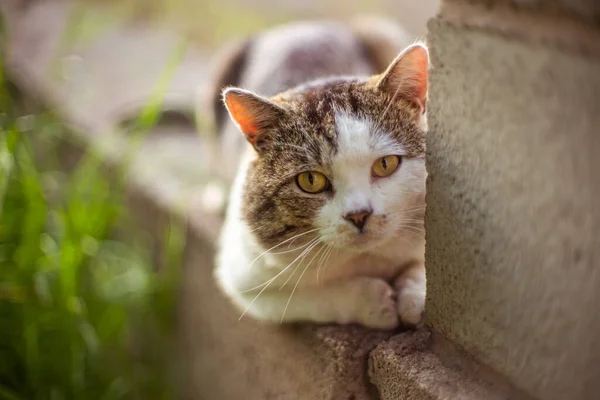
(513, 219)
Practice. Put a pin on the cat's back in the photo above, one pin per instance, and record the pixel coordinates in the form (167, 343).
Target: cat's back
(293, 54)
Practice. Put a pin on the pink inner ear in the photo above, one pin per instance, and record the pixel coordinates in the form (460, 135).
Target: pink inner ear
(421, 65)
(242, 116)
(407, 76)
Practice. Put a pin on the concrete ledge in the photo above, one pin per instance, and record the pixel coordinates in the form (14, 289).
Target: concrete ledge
(417, 365)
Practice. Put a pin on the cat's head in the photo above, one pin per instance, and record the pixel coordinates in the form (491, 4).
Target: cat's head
(340, 159)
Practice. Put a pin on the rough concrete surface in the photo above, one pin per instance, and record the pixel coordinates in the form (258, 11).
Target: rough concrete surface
(416, 365)
(513, 219)
(533, 26)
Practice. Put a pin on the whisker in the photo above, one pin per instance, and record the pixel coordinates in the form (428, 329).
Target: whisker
(328, 256)
(255, 229)
(405, 229)
(321, 261)
(411, 229)
(294, 290)
(289, 265)
(403, 238)
(292, 250)
(327, 253)
(418, 208)
(412, 224)
(258, 286)
(415, 215)
(304, 254)
(409, 220)
(266, 285)
(284, 242)
(326, 260)
(259, 293)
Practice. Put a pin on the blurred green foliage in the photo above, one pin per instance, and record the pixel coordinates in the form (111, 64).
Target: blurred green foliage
(82, 314)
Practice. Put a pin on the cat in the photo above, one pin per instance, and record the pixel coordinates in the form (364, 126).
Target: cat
(325, 218)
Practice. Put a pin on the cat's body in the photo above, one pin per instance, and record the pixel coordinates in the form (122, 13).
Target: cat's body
(325, 216)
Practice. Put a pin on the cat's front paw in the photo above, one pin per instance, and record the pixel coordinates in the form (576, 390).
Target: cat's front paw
(410, 301)
(377, 307)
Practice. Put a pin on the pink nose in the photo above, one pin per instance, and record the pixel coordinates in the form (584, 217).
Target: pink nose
(358, 219)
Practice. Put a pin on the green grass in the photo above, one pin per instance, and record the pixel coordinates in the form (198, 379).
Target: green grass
(82, 314)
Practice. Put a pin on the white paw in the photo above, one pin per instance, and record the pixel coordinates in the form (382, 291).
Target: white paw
(377, 307)
(411, 302)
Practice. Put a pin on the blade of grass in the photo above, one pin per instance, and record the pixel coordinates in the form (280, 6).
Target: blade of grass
(7, 163)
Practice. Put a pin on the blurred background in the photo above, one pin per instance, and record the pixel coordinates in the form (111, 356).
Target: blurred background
(89, 289)
(211, 23)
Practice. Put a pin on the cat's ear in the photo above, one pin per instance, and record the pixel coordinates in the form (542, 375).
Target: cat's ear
(253, 114)
(406, 76)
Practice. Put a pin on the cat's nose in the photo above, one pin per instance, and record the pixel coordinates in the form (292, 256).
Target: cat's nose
(359, 218)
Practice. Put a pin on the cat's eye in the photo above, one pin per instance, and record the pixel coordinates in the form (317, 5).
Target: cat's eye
(312, 182)
(385, 166)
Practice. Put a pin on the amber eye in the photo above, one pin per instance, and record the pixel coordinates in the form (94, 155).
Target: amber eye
(385, 166)
(312, 182)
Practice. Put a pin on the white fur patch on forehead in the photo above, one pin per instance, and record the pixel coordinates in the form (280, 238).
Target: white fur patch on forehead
(352, 134)
(360, 136)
